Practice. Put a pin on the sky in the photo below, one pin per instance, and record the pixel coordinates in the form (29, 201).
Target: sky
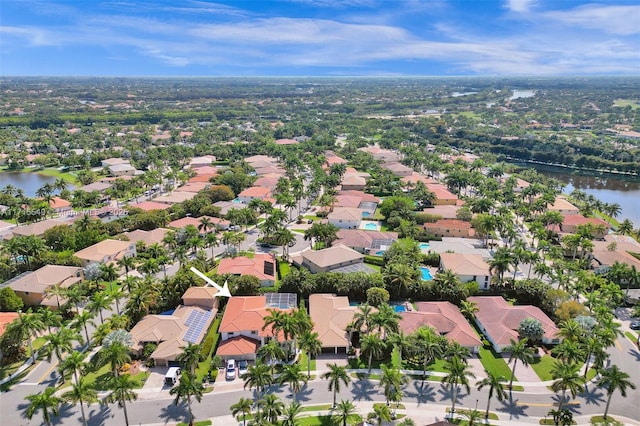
(319, 38)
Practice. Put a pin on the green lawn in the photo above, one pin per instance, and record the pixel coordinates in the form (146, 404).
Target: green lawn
(626, 102)
(551, 422)
(284, 269)
(542, 366)
(203, 367)
(68, 177)
(100, 378)
(494, 363)
(610, 421)
(197, 423)
(302, 360)
(327, 420)
(633, 337)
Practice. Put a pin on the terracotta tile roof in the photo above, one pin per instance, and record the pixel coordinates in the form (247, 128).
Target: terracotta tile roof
(441, 192)
(238, 345)
(193, 187)
(59, 203)
(175, 197)
(149, 206)
(286, 142)
(6, 318)
(445, 318)
(345, 213)
(561, 203)
(202, 178)
(465, 264)
(448, 223)
(501, 320)
(255, 191)
(246, 313)
(348, 201)
(242, 265)
(578, 219)
(331, 256)
(361, 238)
(148, 237)
(206, 170)
(363, 195)
(417, 177)
(38, 228)
(204, 293)
(104, 248)
(330, 315)
(49, 275)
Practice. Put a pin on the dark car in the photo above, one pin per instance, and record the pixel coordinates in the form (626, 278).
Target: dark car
(635, 325)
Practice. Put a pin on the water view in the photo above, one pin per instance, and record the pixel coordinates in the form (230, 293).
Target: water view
(517, 94)
(607, 189)
(28, 182)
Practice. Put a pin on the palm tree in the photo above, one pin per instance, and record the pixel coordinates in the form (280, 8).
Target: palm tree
(188, 387)
(50, 318)
(459, 373)
(400, 276)
(566, 378)
(211, 241)
(74, 363)
(309, 342)
(258, 377)
(242, 407)
(99, 301)
(468, 309)
(29, 325)
(473, 417)
(386, 319)
(518, 351)
(190, 357)
(81, 393)
(293, 375)
(613, 379)
(429, 344)
(499, 264)
(128, 263)
(108, 272)
(401, 343)
(381, 414)
(495, 384)
(371, 346)
(343, 410)
(392, 381)
(272, 407)
(336, 375)
(271, 352)
(362, 318)
(82, 319)
(205, 225)
(59, 342)
(121, 388)
(626, 227)
(291, 413)
(116, 354)
(46, 401)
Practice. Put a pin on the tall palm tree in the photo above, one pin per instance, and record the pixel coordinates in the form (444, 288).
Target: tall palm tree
(429, 344)
(128, 263)
(61, 342)
(459, 374)
(188, 387)
(518, 351)
(386, 319)
(392, 381)
(613, 379)
(293, 375)
(272, 407)
(205, 225)
(121, 388)
(190, 357)
(271, 352)
(309, 342)
(242, 407)
(402, 343)
(495, 384)
(81, 393)
(337, 374)
(380, 414)
(343, 410)
(30, 324)
(116, 354)
(50, 318)
(566, 378)
(108, 271)
(99, 301)
(73, 363)
(46, 401)
(362, 317)
(371, 346)
(81, 319)
(258, 377)
(291, 413)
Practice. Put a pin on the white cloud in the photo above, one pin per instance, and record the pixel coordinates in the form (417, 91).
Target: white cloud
(519, 6)
(624, 20)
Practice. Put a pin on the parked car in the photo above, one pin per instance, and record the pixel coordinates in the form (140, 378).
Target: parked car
(172, 376)
(635, 325)
(243, 367)
(231, 370)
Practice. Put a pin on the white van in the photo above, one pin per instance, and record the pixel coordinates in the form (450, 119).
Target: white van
(172, 376)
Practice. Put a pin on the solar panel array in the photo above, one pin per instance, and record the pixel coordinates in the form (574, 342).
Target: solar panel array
(196, 322)
(281, 300)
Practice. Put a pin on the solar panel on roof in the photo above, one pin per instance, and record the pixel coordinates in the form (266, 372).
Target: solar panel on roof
(196, 322)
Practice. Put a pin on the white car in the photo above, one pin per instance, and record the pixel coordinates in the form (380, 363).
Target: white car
(231, 370)
(243, 367)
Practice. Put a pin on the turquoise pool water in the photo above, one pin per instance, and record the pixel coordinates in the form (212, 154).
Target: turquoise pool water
(423, 246)
(236, 200)
(366, 214)
(399, 308)
(380, 253)
(371, 226)
(426, 274)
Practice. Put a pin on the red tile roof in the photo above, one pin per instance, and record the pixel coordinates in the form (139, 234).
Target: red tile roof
(445, 318)
(150, 205)
(236, 346)
(246, 313)
(5, 319)
(241, 265)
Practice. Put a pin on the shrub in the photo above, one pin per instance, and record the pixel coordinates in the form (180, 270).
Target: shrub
(374, 260)
(9, 300)
(377, 296)
(206, 346)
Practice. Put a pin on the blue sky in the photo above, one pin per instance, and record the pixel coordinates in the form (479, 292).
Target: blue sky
(319, 37)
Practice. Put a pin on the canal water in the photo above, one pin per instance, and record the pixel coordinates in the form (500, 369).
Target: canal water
(606, 188)
(28, 182)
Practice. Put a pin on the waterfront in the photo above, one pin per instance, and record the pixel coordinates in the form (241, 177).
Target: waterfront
(28, 182)
(606, 188)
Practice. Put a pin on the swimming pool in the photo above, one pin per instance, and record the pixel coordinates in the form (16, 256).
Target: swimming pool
(398, 307)
(371, 226)
(426, 274)
(424, 246)
(236, 200)
(380, 253)
(366, 214)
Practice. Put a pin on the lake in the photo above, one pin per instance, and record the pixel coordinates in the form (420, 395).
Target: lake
(28, 182)
(605, 188)
(519, 93)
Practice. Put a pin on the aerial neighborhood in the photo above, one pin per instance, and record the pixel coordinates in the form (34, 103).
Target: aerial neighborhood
(380, 252)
